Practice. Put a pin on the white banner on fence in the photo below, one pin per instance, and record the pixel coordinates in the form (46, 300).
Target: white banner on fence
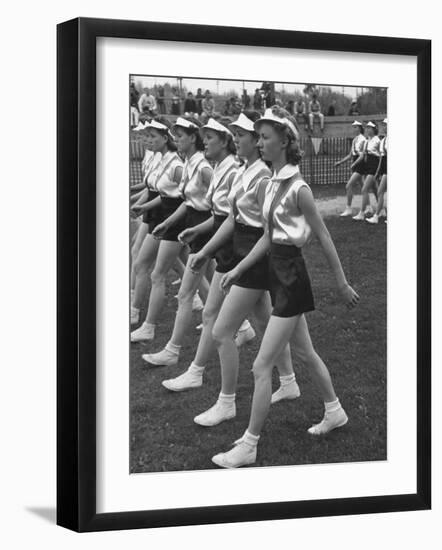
(316, 144)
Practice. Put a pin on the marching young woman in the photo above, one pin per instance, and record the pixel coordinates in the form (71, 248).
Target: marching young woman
(165, 180)
(371, 162)
(219, 148)
(250, 293)
(357, 172)
(291, 217)
(381, 171)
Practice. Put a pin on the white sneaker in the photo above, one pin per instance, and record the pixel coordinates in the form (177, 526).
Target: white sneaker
(242, 454)
(373, 219)
(286, 391)
(176, 282)
(197, 303)
(383, 213)
(347, 212)
(199, 327)
(185, 381)
(144, 332)
(163, 358)
(359, 217)
(244, 336)
(134, 315)
(215, 415)
(369, 210)
(331, 420)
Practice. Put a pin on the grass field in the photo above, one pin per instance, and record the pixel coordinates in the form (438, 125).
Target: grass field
(353, 345)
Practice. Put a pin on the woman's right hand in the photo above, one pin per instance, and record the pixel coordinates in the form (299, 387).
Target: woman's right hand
(198, 261)
(188, 235)
(229, 279)
(159, 230)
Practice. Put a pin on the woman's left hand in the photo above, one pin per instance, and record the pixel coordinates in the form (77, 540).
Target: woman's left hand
(159, 230)
(349, 296)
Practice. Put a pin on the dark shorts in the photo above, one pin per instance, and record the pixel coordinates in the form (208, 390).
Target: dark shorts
(225, 258)
(290, 287)
(195, 217)
(244, 239)
(153, 217)
(168, 207)
(371, 165)
(358, 168)
(383, 168)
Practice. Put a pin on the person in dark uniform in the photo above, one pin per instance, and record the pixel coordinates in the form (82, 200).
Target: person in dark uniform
(190, 106)
(291, 217)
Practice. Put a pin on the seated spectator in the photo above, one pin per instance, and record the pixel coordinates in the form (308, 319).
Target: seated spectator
(353, 111)
(257, 100)
(208, 105)
(315, 112)
(300, 112)
(160, 100)
(233, 107)
(190, 106)
(332, 108)
(147, 103)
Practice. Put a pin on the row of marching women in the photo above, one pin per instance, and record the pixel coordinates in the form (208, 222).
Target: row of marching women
(226, 207)
(368, 158)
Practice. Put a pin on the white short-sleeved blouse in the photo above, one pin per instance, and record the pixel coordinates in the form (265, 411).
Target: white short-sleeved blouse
(289, 224)
(150, 169)
(373, 146)
(192, 186)
(247, 193)
(220, 186)
(357, 145)
(164, 175)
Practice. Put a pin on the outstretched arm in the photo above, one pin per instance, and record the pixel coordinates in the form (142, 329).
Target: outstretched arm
(307, 206)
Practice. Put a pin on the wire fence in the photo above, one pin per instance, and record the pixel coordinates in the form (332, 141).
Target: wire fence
(317, 164)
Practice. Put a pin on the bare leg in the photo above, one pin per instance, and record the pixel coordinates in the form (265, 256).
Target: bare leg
(146, 257)
(139, 238)
(368, 184)
(166, 257)
(381, 193)
(183, 318)
(211, 310)
(355, 178)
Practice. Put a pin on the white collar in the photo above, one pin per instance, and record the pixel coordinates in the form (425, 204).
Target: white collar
(249, 172)
(192, 162)
(287, 171)
(225, 163)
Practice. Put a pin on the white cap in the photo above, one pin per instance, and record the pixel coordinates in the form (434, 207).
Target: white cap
(371, 124)
(140, 126)
(212, 124)
(385, 121)
(269, 116)
(158, 126)
(146, 125)
(357, 123)
(244, 122)
(184, 123)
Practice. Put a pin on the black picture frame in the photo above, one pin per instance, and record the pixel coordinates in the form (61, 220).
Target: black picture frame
(76, 274)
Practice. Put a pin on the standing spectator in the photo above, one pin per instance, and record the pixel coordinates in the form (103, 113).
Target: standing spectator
(315, 112)
(134, 114)
(245, 100)
(332, 108)
(208, 105)
(257, 100)
(160, 100)
(354, 111)
(199, 101)
(290, 107)
(175, 102)
(190, 106)
(147, 103)
(300, 112)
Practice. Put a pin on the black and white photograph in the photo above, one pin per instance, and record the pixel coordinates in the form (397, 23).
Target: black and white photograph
(258, 221)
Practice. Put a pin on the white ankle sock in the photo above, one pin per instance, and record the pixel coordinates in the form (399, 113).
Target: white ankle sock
(135, 309)
(287, 379)
(195, 369)
(250, 439)
(227, 399)
(245, 325)
(332, 406)
(172, 348)
(149, 325)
